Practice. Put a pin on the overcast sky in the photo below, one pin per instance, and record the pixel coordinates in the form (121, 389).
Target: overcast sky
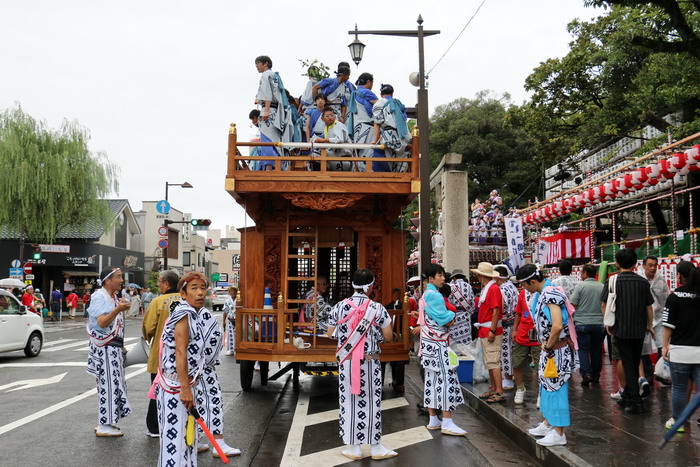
(157, 83)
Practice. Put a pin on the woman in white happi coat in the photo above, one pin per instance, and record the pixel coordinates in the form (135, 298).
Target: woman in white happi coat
(230, 320)
(210, 403)
(510, 300)
(441, 389)
(181, 366)
(105, 327)
(360, 325)
(553, 320)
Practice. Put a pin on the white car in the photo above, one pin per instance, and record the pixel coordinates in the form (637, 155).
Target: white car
(219, 299)
(19, 329)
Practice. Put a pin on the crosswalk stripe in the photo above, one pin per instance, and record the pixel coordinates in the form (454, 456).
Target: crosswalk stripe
(332, 415)
(56, 342)
(392, 441)
(63, 347)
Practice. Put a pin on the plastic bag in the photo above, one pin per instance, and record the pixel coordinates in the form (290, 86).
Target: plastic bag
(465, 350)
(663, 369)
(452, 358)
(481, 374)
(550, 369)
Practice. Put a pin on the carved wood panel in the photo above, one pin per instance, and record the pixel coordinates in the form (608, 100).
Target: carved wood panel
(273, 264)
(374, 252)
(321, 201)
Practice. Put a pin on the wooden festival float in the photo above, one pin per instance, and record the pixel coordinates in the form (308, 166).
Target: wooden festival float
(310, 224)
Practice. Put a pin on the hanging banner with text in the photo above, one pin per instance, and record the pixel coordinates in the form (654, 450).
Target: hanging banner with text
(516, 244)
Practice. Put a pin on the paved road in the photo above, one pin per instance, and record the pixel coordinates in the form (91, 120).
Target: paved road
(52, 424)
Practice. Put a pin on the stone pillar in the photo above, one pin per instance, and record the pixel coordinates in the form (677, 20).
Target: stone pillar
(455, 207)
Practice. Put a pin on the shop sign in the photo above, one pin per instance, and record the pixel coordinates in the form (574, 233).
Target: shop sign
(130, 261)
(55, 248)
(81, 260)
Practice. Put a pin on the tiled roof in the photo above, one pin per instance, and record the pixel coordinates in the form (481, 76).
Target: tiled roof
(92, 229)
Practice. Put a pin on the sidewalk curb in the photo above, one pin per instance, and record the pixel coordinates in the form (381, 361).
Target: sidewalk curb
(516, 429)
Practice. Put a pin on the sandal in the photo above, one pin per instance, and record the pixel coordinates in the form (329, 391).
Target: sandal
(487, 395)
(496, 398)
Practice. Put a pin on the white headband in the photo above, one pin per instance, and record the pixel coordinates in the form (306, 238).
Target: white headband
(101, 281)
(364, 288)
(537, 271)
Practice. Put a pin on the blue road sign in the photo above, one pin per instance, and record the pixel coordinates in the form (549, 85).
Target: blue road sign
(15, 263)
(162, 243)
(163, 207)
(15, 271)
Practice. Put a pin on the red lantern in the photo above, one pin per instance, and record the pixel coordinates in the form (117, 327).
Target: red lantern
(600, 193)
(622, 185)
(653, 172)
(591, 195)
(639, 178)
(666, 170)
(679, 163)
(693, 157)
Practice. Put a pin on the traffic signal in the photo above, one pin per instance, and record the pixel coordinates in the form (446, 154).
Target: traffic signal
(201, 222)
(37, 252)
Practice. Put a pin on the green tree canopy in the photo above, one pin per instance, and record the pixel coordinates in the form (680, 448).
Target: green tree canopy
(49, 179)
(617, 76)
(496, 152)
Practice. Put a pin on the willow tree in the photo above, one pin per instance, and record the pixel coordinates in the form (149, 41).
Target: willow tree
(49, 179)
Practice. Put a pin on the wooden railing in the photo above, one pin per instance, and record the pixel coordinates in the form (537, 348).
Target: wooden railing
(239, 164)
(272, 333)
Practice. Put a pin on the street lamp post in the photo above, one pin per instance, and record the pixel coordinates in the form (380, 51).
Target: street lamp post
(165, 250)
(356, 50)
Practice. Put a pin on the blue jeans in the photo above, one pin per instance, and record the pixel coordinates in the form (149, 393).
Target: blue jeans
(590, 348)
(680, 374)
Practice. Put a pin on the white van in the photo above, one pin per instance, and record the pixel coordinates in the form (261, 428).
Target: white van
(20, 329)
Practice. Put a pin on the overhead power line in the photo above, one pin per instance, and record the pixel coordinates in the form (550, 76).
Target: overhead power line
(456, 39)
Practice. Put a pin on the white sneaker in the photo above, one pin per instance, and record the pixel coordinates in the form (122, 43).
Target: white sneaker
(540, 430)
(672, 421)
(229, 353)
(519, 396)
(552, 439)
(616, 395)
(257, 366)
(107, 431)
(538, 401)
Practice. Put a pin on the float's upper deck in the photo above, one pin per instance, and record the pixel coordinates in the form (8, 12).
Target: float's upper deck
(291, 177)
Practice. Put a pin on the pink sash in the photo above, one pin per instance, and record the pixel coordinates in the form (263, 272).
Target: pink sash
(356, 344)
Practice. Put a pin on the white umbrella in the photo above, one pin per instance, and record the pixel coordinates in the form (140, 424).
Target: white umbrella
(415, 280)
(12, 283)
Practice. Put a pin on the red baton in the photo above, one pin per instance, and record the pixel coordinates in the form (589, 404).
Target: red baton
(206, 431)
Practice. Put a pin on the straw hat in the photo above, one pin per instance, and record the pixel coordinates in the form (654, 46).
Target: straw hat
(485, 269)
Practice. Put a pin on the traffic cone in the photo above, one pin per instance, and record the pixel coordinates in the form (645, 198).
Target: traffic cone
(267, 303)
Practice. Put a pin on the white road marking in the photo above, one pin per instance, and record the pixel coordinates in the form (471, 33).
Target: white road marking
(32, 383)
(41, 365)
(57, 342)
(49, 410)
(292, 450)
(64, 346)
(332, 415)
(393, 441)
